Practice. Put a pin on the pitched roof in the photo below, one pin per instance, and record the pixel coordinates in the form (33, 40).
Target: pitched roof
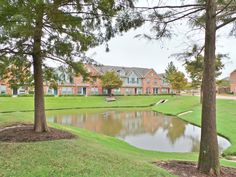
(104, 68)
(162, 75)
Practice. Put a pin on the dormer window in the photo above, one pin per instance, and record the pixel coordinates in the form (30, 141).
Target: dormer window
(120, 72)
(133, 80)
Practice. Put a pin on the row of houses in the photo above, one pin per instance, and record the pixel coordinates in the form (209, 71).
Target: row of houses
(232, 82)
(135, 81)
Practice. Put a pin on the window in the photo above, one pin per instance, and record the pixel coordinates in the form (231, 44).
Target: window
(155, 81)
(129, 91)
(3, 89)
(22, 90)
(155, 90)
(117, 91)
(148, 91)
(50, 91)
(80, 91)
(139, 91)
(148, 81)
(164, 90)
(94, 91)
(137, 80)
(133, 80)
(105, 91)
(128, 80)
(67, 91)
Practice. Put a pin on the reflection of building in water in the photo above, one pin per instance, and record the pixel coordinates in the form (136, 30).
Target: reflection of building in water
(122, 124)
(147, 127)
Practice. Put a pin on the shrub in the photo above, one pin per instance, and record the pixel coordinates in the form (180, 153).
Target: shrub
(49, 95)
(5, 95)
(26, 95)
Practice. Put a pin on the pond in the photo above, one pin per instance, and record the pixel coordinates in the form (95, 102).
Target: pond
(141, 128)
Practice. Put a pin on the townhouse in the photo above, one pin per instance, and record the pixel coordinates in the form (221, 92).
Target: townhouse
(232, 81)
(135, 81)
(4, 88)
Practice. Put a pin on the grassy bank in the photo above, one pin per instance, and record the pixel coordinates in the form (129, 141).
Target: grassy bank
(226, 119)
(94, 154)
(8, 104)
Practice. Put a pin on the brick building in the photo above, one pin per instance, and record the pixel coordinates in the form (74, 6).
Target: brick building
(232, 81)
(135, 81)
(4, 88)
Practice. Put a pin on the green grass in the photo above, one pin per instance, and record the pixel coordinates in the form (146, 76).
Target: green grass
(226, 116)
(26, 103)
(94, 154)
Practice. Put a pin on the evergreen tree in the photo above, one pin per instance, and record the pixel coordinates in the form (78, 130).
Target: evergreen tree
(59, 30)
(209, 15)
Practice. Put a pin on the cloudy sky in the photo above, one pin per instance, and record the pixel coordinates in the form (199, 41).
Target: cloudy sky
(126, 50)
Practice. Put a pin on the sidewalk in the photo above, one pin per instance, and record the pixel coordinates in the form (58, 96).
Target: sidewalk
(226, 97)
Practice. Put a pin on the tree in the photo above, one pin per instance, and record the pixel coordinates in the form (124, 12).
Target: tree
(179, 81)
(110, 80)
(59, 30)
(209, 152)
(16, 72)
(209, 15)
(195, 69)
(176, 78)
(170, 72)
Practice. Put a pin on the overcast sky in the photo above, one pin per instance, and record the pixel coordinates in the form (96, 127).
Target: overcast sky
(129, 51)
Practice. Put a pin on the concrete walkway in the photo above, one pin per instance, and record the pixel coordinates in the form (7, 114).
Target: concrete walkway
(226, 97)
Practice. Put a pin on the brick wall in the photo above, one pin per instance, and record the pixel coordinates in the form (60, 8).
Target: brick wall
(151, 80)
(232, 80)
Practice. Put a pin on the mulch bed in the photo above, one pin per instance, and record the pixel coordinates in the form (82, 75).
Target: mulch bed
(25, 133)
(187, 169)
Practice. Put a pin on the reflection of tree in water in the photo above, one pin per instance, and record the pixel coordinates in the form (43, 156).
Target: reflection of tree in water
(110, 125)
(125, 123)
(175, 128)
(140, 122)
(195, 144)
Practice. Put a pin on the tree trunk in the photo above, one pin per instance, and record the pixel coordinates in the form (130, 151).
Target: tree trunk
(40, 124)
(109, 92)
(208, 161)
(201, 93)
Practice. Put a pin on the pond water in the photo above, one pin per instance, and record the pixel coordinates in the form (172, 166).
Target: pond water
(141, 128)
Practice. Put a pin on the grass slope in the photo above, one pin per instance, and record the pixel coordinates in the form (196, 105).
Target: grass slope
(226, 116)
(94, 154)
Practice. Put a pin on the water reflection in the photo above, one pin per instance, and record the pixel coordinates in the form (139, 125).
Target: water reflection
(141, 128)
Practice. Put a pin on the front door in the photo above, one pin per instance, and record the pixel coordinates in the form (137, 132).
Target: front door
(155, 90)
(135, 91)
(55, 92)
(15, 91)
(84, 90)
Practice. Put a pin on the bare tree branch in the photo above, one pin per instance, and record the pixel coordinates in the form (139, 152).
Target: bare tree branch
(226, 23)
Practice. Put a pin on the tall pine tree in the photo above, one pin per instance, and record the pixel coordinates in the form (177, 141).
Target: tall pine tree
(57, 30)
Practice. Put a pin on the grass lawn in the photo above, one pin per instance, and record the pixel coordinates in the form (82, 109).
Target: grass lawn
(94, 154)
(226, 116)
(26, 103)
